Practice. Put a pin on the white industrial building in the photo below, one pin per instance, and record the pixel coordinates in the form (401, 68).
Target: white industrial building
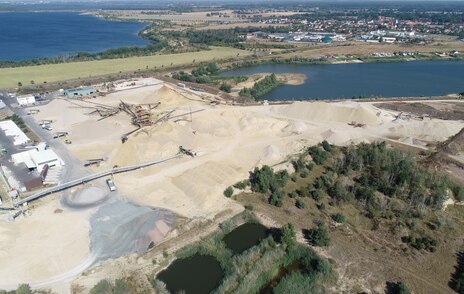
(12, 130)
(37, 158)
(25, 100)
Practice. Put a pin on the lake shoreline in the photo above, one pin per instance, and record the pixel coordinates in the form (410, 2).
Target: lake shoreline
(361, 80)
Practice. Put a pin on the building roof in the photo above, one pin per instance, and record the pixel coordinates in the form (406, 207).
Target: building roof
(41, 157)
(12, 130)
(79, 89)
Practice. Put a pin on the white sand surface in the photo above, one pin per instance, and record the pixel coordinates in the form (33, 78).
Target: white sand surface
(42, 246)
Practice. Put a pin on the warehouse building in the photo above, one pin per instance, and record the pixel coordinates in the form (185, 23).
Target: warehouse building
(25, 100)
(37, 158)
(79, 92)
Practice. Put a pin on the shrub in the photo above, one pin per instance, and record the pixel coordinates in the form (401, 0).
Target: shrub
(276, 199)
(293, 194)
(338, 217)
(228, 192)
(321, 206)
(121, 287)
(225, 87)
(304, 173)
(300, 204)
(399, 288)
(102, 287)
(249, 207)
(317, 195)
(319, 155)
(242, 185)
(458, 193)
(326, 146)
(317, 236)
(421, 243)
(24, 289)
(288, 235)
(457, 279)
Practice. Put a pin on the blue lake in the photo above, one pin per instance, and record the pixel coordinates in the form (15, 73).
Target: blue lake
(395, 79)
(27, 35)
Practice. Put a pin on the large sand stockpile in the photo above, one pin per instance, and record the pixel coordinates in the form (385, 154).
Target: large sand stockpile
(343, 112)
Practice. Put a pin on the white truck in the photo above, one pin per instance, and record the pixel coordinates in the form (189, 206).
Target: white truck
(111, 185)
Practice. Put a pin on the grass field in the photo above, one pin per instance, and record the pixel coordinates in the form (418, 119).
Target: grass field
(9, 77)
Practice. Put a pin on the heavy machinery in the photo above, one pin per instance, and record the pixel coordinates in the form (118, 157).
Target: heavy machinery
(60, 134)
(33, 111)
(187, 151)
(93, 161)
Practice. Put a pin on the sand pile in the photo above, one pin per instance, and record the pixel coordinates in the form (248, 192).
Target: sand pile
(337, 137)
(165, 95)
(271, 154)
(216, 127)
(433, 130)
(254, 122)
(343, 112)
(295, 128)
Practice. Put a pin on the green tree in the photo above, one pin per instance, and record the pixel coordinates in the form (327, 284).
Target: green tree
(300, 204)
(338, 217)
(457, 279)
(400, 288)
(228, 192)
(288, 235)
(212, 68)
(23, 289)
(225, 87)
(102, 287)
(317, 236)
(120, 287)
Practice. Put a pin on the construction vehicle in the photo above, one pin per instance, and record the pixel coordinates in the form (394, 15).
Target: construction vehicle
(187, 151)
(93, 161)
(60, 134)
(33, 111)
(46, 127)
(356, 125)
(111, 185)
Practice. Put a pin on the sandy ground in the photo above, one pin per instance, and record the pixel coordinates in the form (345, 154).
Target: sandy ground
(43, 246)
(229, 141)
(293, 79)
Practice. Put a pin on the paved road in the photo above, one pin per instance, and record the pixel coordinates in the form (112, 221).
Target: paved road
(73, 167)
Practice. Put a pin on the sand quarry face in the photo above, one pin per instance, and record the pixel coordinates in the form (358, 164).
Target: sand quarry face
(229, 140)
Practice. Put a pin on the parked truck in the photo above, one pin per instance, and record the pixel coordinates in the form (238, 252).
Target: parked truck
(111, 185)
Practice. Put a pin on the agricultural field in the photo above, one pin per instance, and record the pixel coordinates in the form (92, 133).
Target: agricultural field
(9, 77)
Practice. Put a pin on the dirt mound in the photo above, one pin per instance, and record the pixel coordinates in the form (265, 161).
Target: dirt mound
(167, 96)
(434, 130)
(455, 144)
(343, 112)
